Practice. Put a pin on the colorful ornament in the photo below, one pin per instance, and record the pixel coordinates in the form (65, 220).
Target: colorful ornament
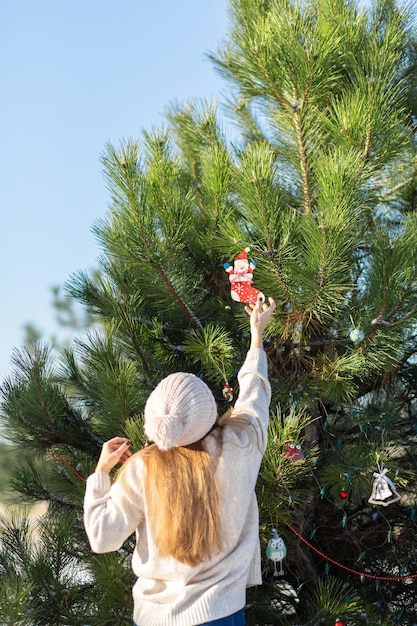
(241, 279)
(276, 550)
(343, 494)
(294, 452)
(339, 622)
(383, 489)
(227, 392)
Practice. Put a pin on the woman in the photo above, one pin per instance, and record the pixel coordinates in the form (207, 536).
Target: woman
(190, 497)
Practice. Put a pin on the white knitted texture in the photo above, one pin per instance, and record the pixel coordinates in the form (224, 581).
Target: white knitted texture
(181, 410)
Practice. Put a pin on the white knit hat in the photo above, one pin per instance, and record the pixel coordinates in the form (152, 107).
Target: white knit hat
(180, 410)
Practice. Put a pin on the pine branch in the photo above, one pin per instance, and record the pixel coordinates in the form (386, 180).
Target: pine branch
(189, 314)
(302, 150)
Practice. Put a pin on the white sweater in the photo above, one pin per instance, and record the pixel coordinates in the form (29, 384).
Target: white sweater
(170, 593)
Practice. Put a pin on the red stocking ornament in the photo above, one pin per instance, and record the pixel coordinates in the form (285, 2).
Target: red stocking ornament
(241, 279)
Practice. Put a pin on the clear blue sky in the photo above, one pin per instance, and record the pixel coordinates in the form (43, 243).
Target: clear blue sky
(75, 74)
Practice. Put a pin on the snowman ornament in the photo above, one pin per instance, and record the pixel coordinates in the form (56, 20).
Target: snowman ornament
(241, 279)
(276, 550)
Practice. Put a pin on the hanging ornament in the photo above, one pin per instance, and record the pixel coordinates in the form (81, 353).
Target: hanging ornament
(343, 494)
(339, 622)
(227, 392)
(241, 279)
(383, 489)
(276, 550)
(357, 335)
(294, 452)
(379, 322)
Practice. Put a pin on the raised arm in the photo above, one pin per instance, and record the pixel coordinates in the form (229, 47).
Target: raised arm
(260, 314)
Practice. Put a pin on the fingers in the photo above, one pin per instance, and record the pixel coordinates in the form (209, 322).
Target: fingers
(261, 306)
(125, 452)
(116, 442)
(272, 305)
(114, 451)
(121, 451)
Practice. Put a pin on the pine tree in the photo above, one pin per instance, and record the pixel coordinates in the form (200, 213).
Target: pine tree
(318, 180)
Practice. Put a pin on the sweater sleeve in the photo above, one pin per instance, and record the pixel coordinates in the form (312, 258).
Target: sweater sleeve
(111, 512)
(255, 392)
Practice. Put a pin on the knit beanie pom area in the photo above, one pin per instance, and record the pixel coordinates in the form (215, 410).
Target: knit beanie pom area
(165, 430)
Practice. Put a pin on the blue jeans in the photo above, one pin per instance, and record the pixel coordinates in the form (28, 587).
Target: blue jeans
(237, 619)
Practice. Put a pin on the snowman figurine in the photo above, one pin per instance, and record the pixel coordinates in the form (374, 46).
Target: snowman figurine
(276, 550)
(241, 279)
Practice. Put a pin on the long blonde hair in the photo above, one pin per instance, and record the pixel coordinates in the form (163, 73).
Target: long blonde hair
(183, 502)
(183, 498)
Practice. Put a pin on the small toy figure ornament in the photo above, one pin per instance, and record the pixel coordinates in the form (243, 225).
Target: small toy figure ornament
(227, 392)
(383, 489)
(294, 452)
(276, 550)
(241, 279)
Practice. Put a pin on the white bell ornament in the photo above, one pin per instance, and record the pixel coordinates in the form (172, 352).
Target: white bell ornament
(383, 489)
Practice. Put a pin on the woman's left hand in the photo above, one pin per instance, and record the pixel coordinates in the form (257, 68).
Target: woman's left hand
(114, 451)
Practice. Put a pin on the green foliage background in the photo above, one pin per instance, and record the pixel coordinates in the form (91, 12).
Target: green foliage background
(318, 179)
(7, 460)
